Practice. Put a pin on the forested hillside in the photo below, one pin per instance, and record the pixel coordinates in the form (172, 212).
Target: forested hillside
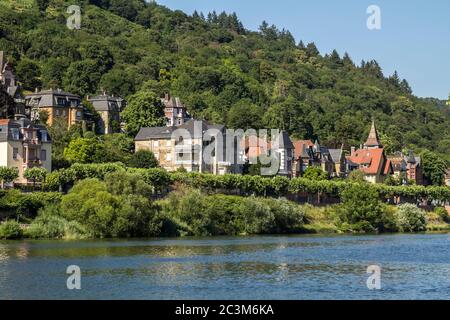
(224, 73)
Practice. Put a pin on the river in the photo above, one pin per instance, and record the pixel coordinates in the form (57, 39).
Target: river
(266, 267)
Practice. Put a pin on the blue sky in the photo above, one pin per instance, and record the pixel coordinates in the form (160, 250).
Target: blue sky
(414, 38)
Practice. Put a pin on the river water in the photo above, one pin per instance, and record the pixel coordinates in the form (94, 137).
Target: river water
(278, 267)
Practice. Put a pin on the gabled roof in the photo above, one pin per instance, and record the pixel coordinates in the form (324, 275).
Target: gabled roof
(336, 155)
(372, 159)
(301, 147)
(284, 142)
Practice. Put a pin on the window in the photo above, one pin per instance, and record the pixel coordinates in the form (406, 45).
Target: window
(43, 155)
(168, 143)
(44, 136)
(15, 153)
(78, 114)
(60, 101)
(64, 113)
(156, 144)
(156, 156)
(57, 112)
(168, 157)
(179, 121)
(15, 133)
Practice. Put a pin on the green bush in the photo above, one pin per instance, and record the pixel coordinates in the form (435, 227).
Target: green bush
(410, 218)
(199, 214)
(361, 209)
(119, 207)
(442, 213)
(10, 230)
(49, 224)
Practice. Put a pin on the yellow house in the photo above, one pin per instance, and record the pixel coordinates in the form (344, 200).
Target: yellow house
(57, 104)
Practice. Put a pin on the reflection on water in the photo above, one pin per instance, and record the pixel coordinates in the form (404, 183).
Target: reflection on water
(303, 267)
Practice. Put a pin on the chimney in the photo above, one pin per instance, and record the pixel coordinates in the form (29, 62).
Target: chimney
(352, 151)
(36, 90)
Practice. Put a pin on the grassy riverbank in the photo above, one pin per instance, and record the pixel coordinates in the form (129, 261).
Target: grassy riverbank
(121, 205)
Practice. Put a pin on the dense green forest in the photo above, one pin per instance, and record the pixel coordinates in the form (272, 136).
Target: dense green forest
(224, 72)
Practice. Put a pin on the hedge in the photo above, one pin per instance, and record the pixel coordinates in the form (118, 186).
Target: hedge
(244, 184)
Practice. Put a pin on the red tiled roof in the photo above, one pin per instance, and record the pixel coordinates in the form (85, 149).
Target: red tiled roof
(298, 145)
(254, 147)
(373, 158)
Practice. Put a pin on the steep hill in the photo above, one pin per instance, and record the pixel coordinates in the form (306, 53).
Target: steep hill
(224, 73)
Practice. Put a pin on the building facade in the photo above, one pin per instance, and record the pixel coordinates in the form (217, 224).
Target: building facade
(407, 168)
(371, 159)
(56, 104)
(24, 145)
(309, 154)
(109, 109)
(189, 146)
(175, 111)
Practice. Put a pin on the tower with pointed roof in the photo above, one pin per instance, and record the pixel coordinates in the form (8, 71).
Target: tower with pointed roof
(373, 142)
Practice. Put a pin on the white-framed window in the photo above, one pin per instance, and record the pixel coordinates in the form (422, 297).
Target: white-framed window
(156, 144)
(168, 143)
(168, 157)
(79, 114)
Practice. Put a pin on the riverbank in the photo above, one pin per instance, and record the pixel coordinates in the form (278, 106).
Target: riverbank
(120, 206)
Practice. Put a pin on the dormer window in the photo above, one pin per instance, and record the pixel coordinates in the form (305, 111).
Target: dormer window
(60, 101)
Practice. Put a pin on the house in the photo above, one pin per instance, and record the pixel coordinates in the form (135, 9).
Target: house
(196, 146)
(57, 104)
(24, 145)
(407, 167)
(284, 150)
(175, 111)
(309, 154)
(371, 159)
(447, 177)
(12, 86)
(109, 108)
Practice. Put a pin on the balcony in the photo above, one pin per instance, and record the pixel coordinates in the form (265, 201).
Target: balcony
(31, 142)
(32, 164)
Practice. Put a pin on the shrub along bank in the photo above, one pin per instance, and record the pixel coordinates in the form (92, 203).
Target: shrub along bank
(120, 205)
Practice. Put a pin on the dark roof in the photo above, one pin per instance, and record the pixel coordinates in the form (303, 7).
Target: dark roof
(105, 102)
(284, 141)
(154, 133)
(335, 155)
(192, 126)
(46, 98)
